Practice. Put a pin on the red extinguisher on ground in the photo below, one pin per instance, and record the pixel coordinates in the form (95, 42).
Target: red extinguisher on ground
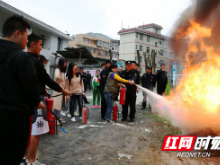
(84, 115)
(49, 104)
(122, 96)
(115, 113)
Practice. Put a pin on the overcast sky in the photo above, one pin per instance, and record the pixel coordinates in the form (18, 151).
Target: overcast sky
(103, 16)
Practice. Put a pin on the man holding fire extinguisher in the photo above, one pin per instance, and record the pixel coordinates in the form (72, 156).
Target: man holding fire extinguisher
(111, 89)
(34, 46)
(130, 98)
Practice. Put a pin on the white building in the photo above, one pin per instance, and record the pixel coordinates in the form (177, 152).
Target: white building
(54, 39)
(114, 47)
(143, 38)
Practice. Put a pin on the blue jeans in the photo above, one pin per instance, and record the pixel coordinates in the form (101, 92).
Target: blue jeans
(73, 102)
(109, 103)
(57, 113)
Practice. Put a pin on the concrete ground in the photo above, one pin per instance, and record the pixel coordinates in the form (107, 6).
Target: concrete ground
(98, 143)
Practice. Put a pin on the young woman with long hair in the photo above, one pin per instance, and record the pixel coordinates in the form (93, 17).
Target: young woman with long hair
(75, 85)
(60, 76)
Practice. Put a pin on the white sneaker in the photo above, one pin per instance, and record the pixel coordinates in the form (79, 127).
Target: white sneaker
(69, 115)
(63, 113)
(36, 162)
(80, 118)
(76, 114)
(73, 119)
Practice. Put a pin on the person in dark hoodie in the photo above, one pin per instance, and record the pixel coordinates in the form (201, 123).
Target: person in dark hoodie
(34, 46)
(19, 91)
(103, 78)
(161, 79)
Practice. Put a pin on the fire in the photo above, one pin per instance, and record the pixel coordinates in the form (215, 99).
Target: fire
(194, 105)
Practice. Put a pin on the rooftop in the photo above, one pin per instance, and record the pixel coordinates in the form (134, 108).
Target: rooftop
(33, 20)
(140, 30)
(151, 25)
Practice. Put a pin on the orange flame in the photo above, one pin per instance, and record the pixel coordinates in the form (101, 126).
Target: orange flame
(196, 100)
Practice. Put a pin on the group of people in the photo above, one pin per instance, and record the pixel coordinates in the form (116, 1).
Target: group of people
(23, 82)
(22, 89)
(113, 78)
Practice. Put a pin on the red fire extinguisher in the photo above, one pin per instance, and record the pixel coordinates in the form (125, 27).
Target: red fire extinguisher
(122, 96)
(84, 115)
(52, 126)
(115, 112)
(49, 103)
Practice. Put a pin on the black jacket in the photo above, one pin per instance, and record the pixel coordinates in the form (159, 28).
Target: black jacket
(138, 77)
(19, 90)
(148, 81)
(83, 76)
(131, 75)
(42, 76)
(103, 75)
(88, 77)
(161, 77)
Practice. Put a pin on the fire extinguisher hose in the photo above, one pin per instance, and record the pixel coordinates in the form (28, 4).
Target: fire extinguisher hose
(63, 129)
(49, 96)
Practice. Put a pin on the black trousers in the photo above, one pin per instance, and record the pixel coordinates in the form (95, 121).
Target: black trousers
(161, 89)
(14, 133)
(87, 83)
(103, 106)
(130, 100)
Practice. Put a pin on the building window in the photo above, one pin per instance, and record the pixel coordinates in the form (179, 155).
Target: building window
(100, 52)
(106, 45)
(106, 53)
(136, 35)
(113, 48)
(94, 51)
(141, 48)
(99, 43)
(161, 52)
(148, 38)
(137, 59)
(141, 36)
(148, 50)
(86, 40)
(161, 42)
(43, 39)
(155, 44)
(136, 47)
(59, 44)
(157, 31)
(171, 55)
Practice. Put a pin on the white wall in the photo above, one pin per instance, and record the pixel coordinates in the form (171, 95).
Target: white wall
(129, 41)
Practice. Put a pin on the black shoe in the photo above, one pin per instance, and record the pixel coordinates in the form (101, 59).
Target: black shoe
(87, 102)
(123, 119)
(143, 108)
(23, 161)
(103, 118)
(131, 120)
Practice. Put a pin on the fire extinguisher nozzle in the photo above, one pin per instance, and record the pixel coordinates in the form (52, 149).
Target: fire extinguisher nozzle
(64, 131)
